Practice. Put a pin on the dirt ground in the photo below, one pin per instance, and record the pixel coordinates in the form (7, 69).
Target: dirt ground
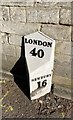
(16, 105)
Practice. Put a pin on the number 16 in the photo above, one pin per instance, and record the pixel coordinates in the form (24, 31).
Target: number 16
(43, 84)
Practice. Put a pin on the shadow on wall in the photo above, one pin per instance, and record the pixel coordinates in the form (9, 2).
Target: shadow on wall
(20, 72)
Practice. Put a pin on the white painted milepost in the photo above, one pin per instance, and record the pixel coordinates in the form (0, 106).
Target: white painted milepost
(39, 53)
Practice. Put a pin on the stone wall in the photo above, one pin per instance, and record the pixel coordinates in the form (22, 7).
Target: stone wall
(18, 18)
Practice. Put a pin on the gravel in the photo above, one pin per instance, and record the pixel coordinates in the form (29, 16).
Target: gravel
(48, 106)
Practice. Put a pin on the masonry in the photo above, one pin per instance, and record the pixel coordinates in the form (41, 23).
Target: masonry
(18, 18)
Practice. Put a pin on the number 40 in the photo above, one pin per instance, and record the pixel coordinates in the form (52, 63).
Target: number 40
(39, 53)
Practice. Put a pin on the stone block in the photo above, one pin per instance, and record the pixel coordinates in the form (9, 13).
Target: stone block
(4, 64)
(0, 38)
(43, 15)
(56, 1)
(38, 1)
(19, 28)
(48, 16)
(15, 40)
(7, 76)
(62, 92)
(0, 12)
(64, 4)
(8, 49)
(8, 62)
(64, 47)
(65, 16)
(0, 26)
(72, 13)
(64, 71)
(62, 59)
(5, 13)
(46, 4)
(0, 58)
(18, 51)
(72, 68)
(62, 81)
(57, 32)
(4, 38)
(53, 4)
(18, 14)
(17, 2)
(0, 46)
(32, 15)
(72, 34)
(62, 65)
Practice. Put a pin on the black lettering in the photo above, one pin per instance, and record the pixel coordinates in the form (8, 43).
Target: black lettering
(38, 78)
(49, 44)
(32, 79)
(44, 83)
(50, 74)
(39, 84)
(26, 40)
(39, 42)
(30, 41)
(35, 79)
(35, 42)
(44, 43)
(42, 77)
(39, 53)
(33, 52)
